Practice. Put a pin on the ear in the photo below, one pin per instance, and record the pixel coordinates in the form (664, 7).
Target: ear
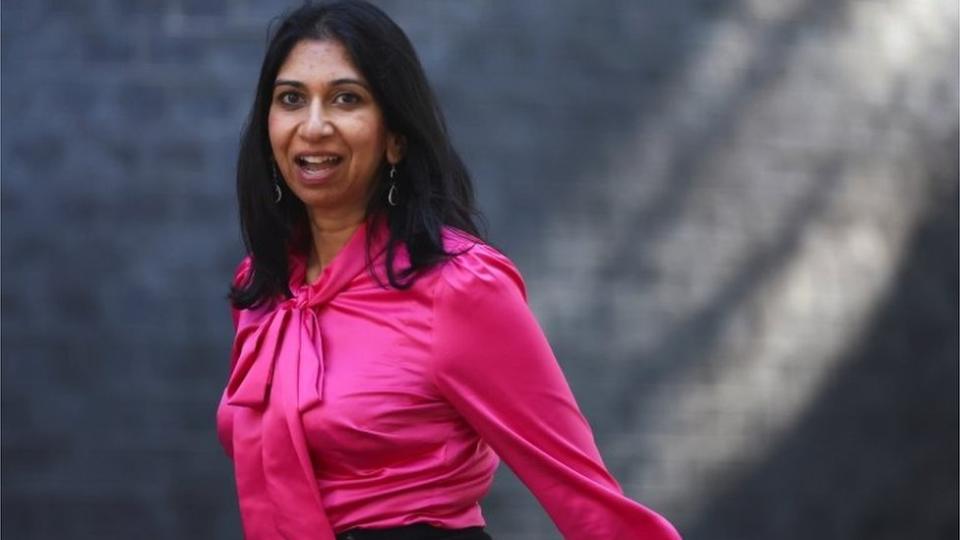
(396, 148)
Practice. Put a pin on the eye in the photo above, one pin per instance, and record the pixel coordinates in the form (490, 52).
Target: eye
(346, 98)
(290, 99)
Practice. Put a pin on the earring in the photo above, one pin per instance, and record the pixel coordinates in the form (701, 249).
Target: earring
(276, 184)
(392, 194)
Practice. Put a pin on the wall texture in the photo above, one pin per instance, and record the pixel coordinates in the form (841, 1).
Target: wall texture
(737, 221)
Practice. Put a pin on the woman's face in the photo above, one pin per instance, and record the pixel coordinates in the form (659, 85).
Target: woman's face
(327, 133)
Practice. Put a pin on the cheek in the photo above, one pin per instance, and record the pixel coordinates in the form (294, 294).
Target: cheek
(278, 129)
(369, 138)
(273, 130)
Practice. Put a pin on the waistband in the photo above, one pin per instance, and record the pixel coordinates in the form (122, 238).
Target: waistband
(417, 531)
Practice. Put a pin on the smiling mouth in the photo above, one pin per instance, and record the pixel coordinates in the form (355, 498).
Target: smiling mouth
(316, 164)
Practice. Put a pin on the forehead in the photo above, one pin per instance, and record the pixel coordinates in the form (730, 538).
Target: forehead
(314, 59)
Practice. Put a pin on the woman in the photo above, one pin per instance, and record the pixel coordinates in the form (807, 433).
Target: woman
(385, 356)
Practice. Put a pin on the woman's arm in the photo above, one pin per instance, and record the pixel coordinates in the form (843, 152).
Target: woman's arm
(495, 367)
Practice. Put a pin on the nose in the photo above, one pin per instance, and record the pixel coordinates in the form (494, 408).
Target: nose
(316, 124)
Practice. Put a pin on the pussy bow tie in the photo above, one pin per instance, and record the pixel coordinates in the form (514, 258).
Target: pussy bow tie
(278, 374)
(292, 332)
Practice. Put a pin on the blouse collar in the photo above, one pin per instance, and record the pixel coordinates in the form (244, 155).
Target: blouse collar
(350, 261)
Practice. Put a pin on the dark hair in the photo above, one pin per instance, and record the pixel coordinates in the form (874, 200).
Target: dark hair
(436, 188)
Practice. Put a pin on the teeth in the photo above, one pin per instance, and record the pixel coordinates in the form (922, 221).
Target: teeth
(316, 160)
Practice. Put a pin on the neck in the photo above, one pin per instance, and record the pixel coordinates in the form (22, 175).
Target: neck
(328, 236)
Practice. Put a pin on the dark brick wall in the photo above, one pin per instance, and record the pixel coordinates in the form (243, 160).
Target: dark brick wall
(737, 220)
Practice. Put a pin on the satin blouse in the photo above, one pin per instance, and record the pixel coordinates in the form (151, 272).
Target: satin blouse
(354, 405)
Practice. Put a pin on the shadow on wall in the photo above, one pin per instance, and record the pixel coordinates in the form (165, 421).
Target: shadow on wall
(789, 228)
(875, 455)
(687, 179)
(682, 175)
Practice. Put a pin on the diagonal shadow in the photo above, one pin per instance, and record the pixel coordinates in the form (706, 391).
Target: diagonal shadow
(684, 168)
(690, 340)
(875, 455)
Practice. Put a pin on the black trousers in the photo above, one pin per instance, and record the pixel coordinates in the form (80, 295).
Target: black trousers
(417, 531)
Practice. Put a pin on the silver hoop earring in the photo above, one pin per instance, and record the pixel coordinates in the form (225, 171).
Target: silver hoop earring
(392, 194)
(276, 185)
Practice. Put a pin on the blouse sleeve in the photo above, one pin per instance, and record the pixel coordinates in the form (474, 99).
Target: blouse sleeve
(224, 413)
(494, 365)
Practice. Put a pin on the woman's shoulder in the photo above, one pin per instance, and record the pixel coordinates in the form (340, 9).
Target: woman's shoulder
(476, 267)
(242, 273)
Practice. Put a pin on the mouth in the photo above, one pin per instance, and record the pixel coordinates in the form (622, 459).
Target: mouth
(316, 167)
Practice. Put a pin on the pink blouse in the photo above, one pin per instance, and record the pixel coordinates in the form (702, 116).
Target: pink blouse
(352, 405)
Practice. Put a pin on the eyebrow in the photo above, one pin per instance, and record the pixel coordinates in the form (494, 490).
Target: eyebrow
(335, 82)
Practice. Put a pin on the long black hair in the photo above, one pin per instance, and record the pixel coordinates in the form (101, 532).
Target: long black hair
(435, 186)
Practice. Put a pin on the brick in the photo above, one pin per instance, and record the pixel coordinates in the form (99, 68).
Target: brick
(654, 169)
